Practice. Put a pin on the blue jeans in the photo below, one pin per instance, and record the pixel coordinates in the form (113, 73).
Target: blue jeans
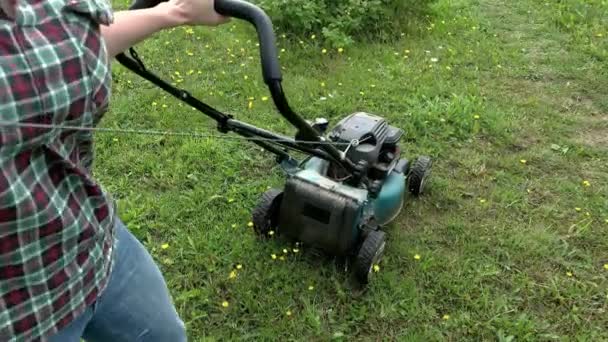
(135, 305)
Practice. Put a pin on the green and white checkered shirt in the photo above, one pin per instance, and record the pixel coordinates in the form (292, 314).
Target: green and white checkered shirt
(56, 223)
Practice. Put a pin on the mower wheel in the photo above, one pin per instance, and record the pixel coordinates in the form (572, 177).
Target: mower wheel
(265, 215)
(369, 255)
(418, 175)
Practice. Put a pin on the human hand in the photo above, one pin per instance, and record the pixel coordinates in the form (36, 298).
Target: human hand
(195, 12)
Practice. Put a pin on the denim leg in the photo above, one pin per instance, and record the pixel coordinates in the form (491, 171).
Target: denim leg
(136, 305)
(73, 332)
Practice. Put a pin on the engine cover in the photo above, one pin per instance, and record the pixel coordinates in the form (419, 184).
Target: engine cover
(372, 132)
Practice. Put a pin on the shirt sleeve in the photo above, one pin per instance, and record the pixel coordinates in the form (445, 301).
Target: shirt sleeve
(42, 81)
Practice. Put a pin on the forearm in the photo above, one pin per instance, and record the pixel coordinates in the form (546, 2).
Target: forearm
(133, 26)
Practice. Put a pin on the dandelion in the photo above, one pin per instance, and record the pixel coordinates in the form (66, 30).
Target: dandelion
(313, 37)
(232, 275)
(234, 225)
(288, 313)
(271, 233)
(569, 274)
(190, 72)
(164, 246)
(322, 84)
(246, 77)
(482, 201)
(376, 268)
(282, 257)
(264, 98)
(599, 35)
(273, 256)
(476, 117)
(285, 251)
(250, 224)
(586, 183)
(296, 250)
(310, 287)
(447, 67)
(282, 50)
(225, 304)
(250, 105)
(154, 104)
(523, 161)
(230, 200)
(324, 51)
(606, 267)
(239, 266)
(361, 93)
(446, 317)
(190, 53)
(417, 256)
(434, 60)
(340, 50)
(578, 209)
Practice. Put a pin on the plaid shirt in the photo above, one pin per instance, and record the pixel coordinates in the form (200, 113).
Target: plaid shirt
(56, 223)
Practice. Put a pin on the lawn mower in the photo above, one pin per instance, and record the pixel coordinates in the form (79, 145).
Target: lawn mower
(353, 181)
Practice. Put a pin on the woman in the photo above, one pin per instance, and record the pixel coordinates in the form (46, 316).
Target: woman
(69, 269)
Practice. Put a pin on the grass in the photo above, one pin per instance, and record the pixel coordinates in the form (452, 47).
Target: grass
(507, 96)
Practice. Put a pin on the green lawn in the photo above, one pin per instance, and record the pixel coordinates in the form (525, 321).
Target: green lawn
(509, 97)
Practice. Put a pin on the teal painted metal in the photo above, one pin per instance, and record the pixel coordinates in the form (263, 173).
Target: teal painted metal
(389, 202)
(386, 207)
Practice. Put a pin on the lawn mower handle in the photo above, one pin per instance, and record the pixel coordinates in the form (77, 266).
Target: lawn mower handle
(257, 17)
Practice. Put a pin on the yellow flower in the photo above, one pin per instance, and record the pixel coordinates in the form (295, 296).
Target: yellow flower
(232, 274)
(373, 85)
(295, 250)
(225, 304)
(606, 266)
(577, 209)
(154, 104)
(523, 161)
(164, 105)
(282, 258)
(234, 225)
(361, 93)
(230, 200)
(250, 224)
(322, 84)
(177, 73)
(164, 246)
(313, 36)
(310, 287)
(246, 77)
(271, 232)
(569, 274)
(376, 268)
(446, 317)
(324, 51)
(239, 266)
(282, 50)
(285, 251)
(288, 313)
(482, 201)
(586, 183)
(340, 50)
(417, 256)
(265, 98)
(190, 72)
(273, 256)
(599, 35)
(190, 53)
(476, 117)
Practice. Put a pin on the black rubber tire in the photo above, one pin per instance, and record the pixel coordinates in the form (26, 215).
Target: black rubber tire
(370, 254)
(265, 215)
(418, 175)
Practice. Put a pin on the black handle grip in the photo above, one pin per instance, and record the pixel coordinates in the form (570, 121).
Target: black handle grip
(268, 49)
(140, 4)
